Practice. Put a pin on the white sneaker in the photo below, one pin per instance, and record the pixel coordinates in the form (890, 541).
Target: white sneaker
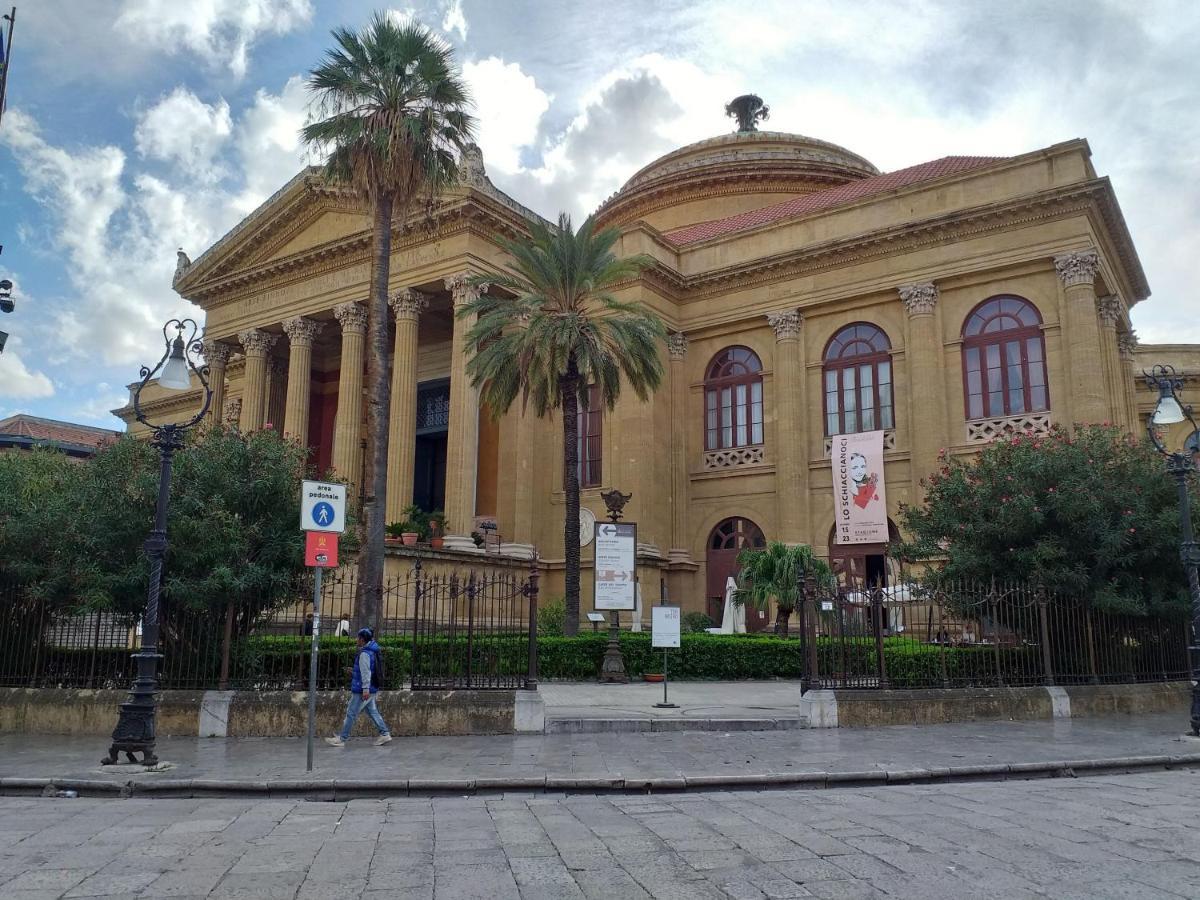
(383, 739)
(335, 741)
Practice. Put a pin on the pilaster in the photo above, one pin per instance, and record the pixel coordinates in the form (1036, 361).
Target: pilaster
(216, 355)
(347, 430)
(926, 386)
(791, 462)
(677, 345)
(1077, 271)
(462, 439)
(257, 346)
(301, 333)
(407, 306)
(1127, 343)
(1110, 310)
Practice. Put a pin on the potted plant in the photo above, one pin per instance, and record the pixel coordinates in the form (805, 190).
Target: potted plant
(418, 524)
(437, 528)
(393, 533)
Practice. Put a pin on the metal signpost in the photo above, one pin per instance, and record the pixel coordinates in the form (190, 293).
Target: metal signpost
(664, 632)
(323, 516)
(615, 588)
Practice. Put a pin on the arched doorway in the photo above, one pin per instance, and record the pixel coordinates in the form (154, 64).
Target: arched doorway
(726, 540)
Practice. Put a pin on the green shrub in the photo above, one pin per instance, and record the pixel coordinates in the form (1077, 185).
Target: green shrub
(552, 617)
(695, 623)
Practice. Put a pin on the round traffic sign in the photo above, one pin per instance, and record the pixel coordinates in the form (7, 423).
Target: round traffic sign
(322, 513)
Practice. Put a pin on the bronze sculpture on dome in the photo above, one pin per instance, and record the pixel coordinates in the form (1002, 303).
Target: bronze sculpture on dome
(749, 110)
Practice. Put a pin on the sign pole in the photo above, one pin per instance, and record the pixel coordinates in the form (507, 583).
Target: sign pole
(666, 704)
(312, 664)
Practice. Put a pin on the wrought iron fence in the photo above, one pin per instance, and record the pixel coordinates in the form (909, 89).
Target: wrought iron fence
(467, 630)
(971, 635)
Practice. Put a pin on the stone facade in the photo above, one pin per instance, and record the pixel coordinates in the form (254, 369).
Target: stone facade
(764, 241)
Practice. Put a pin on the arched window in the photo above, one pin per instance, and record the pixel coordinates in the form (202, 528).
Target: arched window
(858, 381)
(733, 400)
(1004, 359)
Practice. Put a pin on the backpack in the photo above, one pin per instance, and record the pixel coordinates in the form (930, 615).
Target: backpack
(378, 670)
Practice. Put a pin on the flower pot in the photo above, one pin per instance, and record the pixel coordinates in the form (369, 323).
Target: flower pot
(652, 677)
(436, 543)
(409, 538)
(392, 541)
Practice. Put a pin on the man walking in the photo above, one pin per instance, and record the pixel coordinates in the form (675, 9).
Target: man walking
(366, 677)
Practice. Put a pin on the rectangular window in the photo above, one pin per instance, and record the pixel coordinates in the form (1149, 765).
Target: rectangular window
(740, 404)
(832, 419)
(849, 402)
(995, 381)
(711, 428)
(885, 396)
(756, 413)
(590, 439)
(974, 385)
(1016, 383)
(726, 417)
(1038, 399)
(866, 393)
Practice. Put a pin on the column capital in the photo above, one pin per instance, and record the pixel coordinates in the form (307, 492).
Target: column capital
(1077, 267)
(786, 324)
(301, 331)
(351, 316)
(216, 353)
(462, 290)
(1127, 344)
(677, 344)
(920, 299)
(1110, 310)
(255, 341)
(407, 303)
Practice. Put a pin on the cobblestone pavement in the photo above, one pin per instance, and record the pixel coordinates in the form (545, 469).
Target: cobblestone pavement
(631, 756)
(1104, 837)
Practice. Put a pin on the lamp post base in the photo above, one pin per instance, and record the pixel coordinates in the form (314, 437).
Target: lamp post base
(135, 731)
(612, 669)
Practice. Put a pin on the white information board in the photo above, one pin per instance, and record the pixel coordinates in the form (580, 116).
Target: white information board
(322, 506)
(616, 566)
(664, 625)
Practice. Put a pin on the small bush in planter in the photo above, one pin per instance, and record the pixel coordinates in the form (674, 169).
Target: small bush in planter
(696, 623)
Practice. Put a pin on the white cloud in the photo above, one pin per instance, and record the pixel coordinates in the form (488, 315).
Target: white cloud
(509, 107)
(268, 142)
(17, 380)
(220, 32)
(183, 129)
(103, 401)
(402, 15)
(454, 20)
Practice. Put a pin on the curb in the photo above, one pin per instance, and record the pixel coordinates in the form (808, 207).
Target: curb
(579, 725)
(347, 789)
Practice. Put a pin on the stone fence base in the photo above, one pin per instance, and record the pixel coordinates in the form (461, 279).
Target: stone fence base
(271, 714)
(848, 708)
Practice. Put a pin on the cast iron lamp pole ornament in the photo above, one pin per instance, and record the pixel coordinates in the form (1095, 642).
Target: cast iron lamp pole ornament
(612, 667)
(135, 728)
(1170, 411)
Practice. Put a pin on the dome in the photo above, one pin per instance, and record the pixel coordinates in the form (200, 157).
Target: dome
(729, 174)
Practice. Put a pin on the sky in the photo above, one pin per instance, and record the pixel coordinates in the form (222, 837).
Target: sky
(136, 127)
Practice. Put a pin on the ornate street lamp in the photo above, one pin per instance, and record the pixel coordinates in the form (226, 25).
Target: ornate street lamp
(1180, 464)
(135, 728)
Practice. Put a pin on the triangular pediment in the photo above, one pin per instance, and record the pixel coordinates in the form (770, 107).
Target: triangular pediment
(309, 229)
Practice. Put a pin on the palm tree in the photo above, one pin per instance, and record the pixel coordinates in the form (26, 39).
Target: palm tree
(774, 573)
(392, 116)
(559, 333)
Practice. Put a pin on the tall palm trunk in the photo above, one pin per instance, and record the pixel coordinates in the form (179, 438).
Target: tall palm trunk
(370, 558)
(568, 386)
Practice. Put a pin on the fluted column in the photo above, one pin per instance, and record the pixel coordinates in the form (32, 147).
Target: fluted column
(347, 432)
(402, 438)
(925, 382)
(677, 349)
(462, 439)
(257, 346)
(1109, 310)
(791, 463)
(300, 332)
(1081, 332)
(216, 355)
(1126, 346)
(276, 393)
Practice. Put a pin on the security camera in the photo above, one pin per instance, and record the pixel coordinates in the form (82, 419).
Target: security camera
(7, 304)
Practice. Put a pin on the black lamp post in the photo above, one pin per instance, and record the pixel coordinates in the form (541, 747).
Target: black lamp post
(1180, 464)
(135, 728)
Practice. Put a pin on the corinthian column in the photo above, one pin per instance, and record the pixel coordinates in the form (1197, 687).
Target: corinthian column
(216, 355)
(462, 439)
(1081, 332)
(926, 386)
(300, 332)
(791, 458)
(1126, 346)
(402, 439)
(257, 346)
(347, 431)
(677, 344)
(1109, 310)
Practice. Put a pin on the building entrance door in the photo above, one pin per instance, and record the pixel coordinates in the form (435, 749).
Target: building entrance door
(429, 468)
(728, 539)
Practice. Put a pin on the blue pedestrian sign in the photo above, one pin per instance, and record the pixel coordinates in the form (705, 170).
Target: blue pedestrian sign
(322, 506)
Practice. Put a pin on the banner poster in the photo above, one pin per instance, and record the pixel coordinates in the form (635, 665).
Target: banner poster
(859, 501)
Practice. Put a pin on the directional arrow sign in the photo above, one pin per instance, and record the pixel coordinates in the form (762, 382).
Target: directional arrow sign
(616, 566)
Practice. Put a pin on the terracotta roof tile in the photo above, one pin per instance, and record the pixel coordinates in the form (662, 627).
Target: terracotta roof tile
(844, 193)
(53, 431)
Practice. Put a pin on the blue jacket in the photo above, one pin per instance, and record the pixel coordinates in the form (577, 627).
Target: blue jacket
(364, 665)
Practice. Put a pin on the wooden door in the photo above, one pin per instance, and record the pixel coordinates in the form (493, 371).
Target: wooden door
(728, 539)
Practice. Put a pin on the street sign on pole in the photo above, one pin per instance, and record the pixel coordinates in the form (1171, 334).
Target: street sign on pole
(616, 566)
(664, 623)
(320, 550)
(322, 506)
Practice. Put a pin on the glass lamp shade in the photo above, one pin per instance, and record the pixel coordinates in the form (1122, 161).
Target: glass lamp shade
(175, 375)
(1168, 411)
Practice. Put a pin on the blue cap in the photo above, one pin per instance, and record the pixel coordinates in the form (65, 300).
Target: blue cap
(366, 634)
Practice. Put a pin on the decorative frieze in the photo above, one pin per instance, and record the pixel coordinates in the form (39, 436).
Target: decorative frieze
(919, 299)
(463, 290)
(301, 330)
(351, 316)
(787, 324)
(256, 342)
(1079, 267)
(732, 458)
(984, 431)
(677, 344)
(1110, 310)
(407, 303)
